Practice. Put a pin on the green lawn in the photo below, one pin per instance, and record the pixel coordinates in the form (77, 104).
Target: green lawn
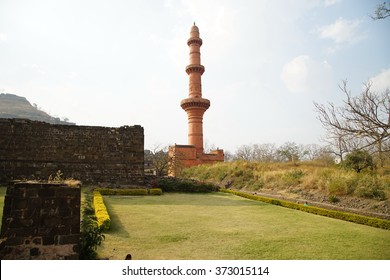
(224, 226)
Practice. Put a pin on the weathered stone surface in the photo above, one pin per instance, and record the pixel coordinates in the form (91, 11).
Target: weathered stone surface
(36, 150)
(42, 225)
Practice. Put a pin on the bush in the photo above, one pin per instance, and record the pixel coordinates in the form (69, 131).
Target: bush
(103, 219)
(91, 233)
(108, 191)
(333, 199)
(155, 191)
(180, 185)
(358, 161)
(342, 183)
(293, 177)
(370, 187)
(91, 237)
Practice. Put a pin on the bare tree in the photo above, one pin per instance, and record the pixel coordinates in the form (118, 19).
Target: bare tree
(364, 118)
(244, 152)
(310, 151)
(382, 11)
(158, 160)
(228, 156)
(340, 143)
(265, 152)
(208, 147)
(289, 151)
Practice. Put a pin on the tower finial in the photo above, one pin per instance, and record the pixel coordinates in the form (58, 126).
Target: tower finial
(194, 22)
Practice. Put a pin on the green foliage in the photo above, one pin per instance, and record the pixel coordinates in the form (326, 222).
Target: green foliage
(369, 221)
(358, 184)
(333, 199)
(293, 177)
(342, 185)
(155, 191)
(91, 234)
(110, 191)
(103, 219)
(91, 237)
(358, 161)
(369, 186)
(179, 185)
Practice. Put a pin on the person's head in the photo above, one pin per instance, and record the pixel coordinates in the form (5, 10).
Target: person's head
(128, 257)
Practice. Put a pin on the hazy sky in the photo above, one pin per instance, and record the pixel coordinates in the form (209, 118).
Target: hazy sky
(118, 62)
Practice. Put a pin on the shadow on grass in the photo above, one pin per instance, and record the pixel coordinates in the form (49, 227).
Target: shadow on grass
(116, 226)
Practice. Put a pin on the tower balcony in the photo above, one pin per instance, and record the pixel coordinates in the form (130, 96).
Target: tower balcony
(198, 103)
(194, 40)
(195, 68)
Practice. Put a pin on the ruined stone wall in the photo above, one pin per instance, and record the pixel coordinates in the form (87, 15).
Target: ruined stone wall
(32, 149)
(40, 222)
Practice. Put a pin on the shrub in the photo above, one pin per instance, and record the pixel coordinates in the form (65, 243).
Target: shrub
(370, 187)
(155, 191)
(103, 219)
(91, 237)
(358, 161)
(91, 233)
(342, 183)
(293, 177)
(177, 185)
(108, 191)
(333, 199)
(337, 186)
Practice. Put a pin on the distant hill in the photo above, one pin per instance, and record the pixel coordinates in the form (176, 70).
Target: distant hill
(13, 106)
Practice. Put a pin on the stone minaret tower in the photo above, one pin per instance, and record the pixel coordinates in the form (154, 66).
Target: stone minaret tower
(195, 105)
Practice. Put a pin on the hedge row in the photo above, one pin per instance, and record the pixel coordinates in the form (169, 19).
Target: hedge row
(180, 185)
(364, 220)
(103, 219)
(107, 191)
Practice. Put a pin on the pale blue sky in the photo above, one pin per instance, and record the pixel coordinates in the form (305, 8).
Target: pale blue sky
(117, 62)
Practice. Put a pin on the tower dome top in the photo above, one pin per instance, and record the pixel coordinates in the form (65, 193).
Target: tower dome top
(194, 31)
(194, 28)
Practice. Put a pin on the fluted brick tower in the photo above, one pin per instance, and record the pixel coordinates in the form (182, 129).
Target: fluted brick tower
(182, 156)
(195, 105)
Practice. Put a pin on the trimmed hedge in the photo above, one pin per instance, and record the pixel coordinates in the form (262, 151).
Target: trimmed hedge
(103, 219)
(155, 191)
(364, 220)
(107, 191)
(180, 185)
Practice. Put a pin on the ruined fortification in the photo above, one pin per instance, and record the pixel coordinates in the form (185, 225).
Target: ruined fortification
(35, 150)
(40, 222)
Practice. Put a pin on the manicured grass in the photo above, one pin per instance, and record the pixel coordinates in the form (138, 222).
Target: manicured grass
(224, 226)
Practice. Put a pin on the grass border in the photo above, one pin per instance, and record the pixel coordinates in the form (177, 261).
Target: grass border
(359, 219)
